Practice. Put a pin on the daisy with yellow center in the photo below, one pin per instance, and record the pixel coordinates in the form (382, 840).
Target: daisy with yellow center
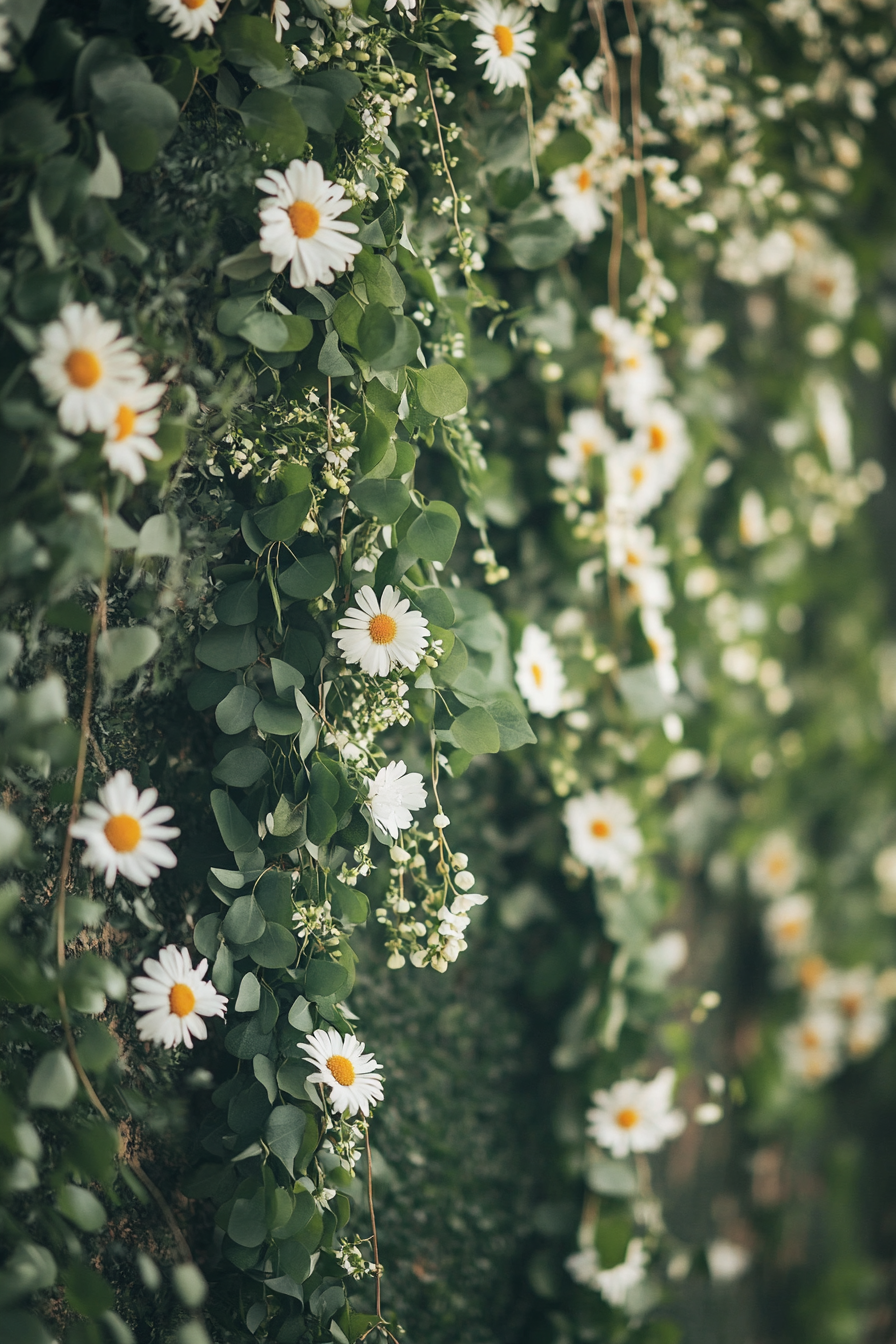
(129, 442)
(586, 437)
(634, 1117)
(124, 833)
(382, 633)
(86, 367)
(173, 998)
(662, 436)
(579, 200)
(602, 832)
(341, 1065)
(788, 923)
(188, 18)
(301, 227)
(775, 866)
(506, 42)
(539, 673)
(811, 1048)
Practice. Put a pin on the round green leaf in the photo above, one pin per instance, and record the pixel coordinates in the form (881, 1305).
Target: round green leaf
(81, 1208)
(244, 921)
(281, 521)
(234, 713)
(242, 768)
(441, 390)
(238, 604)
(309, 577)
(433, 534)
(476, 732)
(384, 500)
(226, 647)
(275, 948)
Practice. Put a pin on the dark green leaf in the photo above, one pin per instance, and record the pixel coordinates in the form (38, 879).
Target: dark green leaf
(383, 283)
(283, 1133)
(326, 980)
(266, 331)
(432, 535)
(54, 1082)
(451, 666)
(435, 604)
(402, 351)
(513, 727)
(242, 767)
(238, 604)
(122, 651)
(476, 731)
(86, 1290)
(138, 119)
(536, 243)
(321, 821)
(274, 120)
(376, 331)
(250, 42)
(309, 577)
(81, 1208)
(279, 720)
(286, 678)
(346, 319)
(205, 936)
(247, 1224)
(236, 831)
(235, 712)
(233, 312)
(332, 362)
(281, 521)
(299, 331)
(249, 996)
(348, 903)
(321, 109)
(384, 500)
(275, 948)
(227, 647)
(244, 921)
(441, 390)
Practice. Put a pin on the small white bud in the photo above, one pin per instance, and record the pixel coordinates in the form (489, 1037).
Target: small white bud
(466, 881)
(441, 821)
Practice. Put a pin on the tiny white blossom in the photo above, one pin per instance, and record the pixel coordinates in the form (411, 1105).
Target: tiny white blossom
(393, 795)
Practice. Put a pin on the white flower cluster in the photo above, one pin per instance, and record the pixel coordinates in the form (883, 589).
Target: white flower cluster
(844, 1015)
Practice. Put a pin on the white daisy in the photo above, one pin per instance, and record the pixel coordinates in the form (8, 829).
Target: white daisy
(301, 226)
(588, 436)
(635, 377)
(539, 673)
(129, 438)
(774, 867)
(188, 18)
(662, 645)
(811, 1047)
(280, 18)
(631, 549)
(393, 795)
(662, 437)
(506, 43)
(87, 366)
(578, 200)
(636, 482)
(174, 998)
(615, 1284)
(788, 923)
(382, 633)
(123, 832)
(635, 1117)
(343, 1067)
(602, 832)
(853, 995)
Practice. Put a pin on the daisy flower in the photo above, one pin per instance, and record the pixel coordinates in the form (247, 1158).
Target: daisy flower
(382, 633)
(578, 200)
(774, 866)
(615, 1284)
(662, 645)
(280, 18)
(539, 673)
(393, 795)
(602, 832)
(343, 1067)
(123, 832)
(662, 437)
(588, 436)
(174, 998)
(853, 995)
(301, 226)
(788, 923)
(506, 42)
(635, 377)
(636, 482)
(86, 365)
(188, 18)
(811, 1047)
(129, 438)
(635, 1117)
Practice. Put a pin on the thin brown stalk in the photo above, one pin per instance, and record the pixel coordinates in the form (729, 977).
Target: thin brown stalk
(376, 1252)
(637, 134)
(599, 19)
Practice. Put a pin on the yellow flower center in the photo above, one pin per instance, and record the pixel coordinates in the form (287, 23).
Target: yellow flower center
(823, 286)
(382, 629)
(342, 1069)
(632, 362)
(589, 448)
(600, 829)
(583, 181)
(627, 1118)
(123, 833)
(637, 475)
(850, 1004)
(810, 1038)
(537, 674)
(181, 1000)
(125, 423)
(193, 4)
(504, 38)
(777, 865)
(83, 368)
(791, 930)
(632, 559)
(304, 218)
(658, 439)
(811, 971)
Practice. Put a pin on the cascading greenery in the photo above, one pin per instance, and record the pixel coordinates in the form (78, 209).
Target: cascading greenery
(608, 229)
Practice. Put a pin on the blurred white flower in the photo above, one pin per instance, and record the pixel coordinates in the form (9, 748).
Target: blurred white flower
(602, 832)
(393, 795)
(635, 1117)
(539, 673)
